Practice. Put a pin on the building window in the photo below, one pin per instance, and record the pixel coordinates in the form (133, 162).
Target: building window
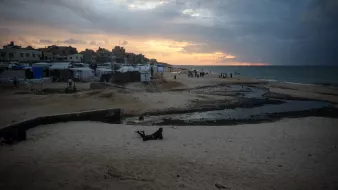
(33, 55)
(3, 54)
(11, 55)
(77, 57)
(27, 54)
(71, 57)
(21, 54)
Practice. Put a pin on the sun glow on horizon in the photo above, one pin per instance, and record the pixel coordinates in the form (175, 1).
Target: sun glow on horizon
(164, 50)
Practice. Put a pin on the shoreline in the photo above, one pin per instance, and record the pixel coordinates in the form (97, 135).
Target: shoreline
(328, 84)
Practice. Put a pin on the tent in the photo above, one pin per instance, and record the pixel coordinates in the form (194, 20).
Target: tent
(125, 69)
(145, 77)
(42, 65)
(60, 66)
(101, 71)
(160, 68)
(37, 72)
(82, 73)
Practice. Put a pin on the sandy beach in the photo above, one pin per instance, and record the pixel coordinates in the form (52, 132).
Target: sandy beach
(298, 153)
(289, 154)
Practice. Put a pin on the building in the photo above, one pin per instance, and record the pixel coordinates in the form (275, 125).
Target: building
(47, 56)
(103, 55)
(89, 56)
(60, 50)
(12, 52)
(77, 58)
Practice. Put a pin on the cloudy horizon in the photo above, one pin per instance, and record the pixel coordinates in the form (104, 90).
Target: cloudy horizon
(192, 32)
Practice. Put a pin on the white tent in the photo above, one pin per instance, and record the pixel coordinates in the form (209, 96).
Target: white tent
(83, 73)
(60, 66)
(143, 68)
(125, 69)
(43, 65)
(145, 77)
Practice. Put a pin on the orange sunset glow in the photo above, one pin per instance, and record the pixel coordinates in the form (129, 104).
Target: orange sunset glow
(164, 50)
(87, 24)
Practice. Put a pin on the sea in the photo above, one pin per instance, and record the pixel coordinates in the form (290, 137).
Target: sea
(322, 75)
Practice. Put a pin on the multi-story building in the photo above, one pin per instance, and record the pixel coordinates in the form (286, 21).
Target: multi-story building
(77, 58)
(89, 56)
(47, 56)
(60, 50)
(13, 52)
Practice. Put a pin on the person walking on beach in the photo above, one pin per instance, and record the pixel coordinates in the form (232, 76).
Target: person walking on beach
(70, 83)
(15, 82)
(230, 75)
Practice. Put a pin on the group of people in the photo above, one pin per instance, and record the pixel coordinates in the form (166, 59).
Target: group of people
(225, 75)
(197, 74)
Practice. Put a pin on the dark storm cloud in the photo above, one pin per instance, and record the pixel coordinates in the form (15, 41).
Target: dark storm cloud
(270, 31)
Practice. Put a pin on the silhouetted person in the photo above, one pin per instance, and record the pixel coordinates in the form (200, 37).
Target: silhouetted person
(15, 82)
(155, 136)
(230, 75)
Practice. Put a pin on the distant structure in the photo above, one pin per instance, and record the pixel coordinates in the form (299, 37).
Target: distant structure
(103, 55)
(54, 53)
(57, 53)
(89, 56)
(76, 58)
(12, 52)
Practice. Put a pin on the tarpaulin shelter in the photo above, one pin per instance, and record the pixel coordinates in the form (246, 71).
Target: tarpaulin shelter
(37, 72)
(101, 71)
(82, 73)
(60, 71)
(160, 68)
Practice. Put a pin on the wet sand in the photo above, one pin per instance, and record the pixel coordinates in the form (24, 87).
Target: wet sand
(288, 154)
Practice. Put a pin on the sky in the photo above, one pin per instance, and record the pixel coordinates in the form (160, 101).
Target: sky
(182, 32)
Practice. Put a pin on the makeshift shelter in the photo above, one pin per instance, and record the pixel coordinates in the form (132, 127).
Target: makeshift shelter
(60, 66)
(37, 72)
(42, 65)
(160, 68)
(129, 76)
(145, 77)
(60, 71)
(82, 73)
(145, 72)
(102, 71)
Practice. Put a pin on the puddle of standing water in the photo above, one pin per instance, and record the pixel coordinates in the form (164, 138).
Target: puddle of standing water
(247, 113)
(241, 113)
